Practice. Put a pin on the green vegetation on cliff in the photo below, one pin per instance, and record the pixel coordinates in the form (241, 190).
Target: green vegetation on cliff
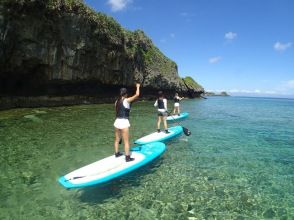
(191, 83)
(48, 43)
(51, 10)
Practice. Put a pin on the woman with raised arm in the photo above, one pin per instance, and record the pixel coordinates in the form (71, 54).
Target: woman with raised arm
(161, 104)
(177, 100)
(122, 124)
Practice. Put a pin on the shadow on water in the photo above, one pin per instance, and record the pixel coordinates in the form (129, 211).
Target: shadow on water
(113, 189)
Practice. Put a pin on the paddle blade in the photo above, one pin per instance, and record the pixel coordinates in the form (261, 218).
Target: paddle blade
(139, 148)
(187, 132)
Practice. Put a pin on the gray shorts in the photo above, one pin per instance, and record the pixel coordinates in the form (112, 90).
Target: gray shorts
(162, 114)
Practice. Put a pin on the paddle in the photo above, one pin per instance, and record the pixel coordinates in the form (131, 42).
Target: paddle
(186, 131)
(75, 177)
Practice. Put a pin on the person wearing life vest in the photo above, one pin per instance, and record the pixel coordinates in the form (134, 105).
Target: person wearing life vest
(177, 100)
(161, 104)
(122, 124)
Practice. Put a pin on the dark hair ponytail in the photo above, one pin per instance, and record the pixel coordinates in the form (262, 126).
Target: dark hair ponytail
(160, 94)
(122, 92)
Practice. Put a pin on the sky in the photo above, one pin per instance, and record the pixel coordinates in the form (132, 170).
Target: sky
(243, 47)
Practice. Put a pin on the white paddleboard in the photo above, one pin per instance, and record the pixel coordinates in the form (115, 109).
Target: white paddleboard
(177, 117)
(160, 136)
(111, 167)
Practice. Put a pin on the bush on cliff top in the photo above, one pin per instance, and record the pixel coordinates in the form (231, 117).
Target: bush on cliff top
(58, 8)
(191, 83)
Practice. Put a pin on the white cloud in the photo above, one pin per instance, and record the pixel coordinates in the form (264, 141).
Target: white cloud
(239, 91)
(118, 5)
(282, 89)
(214, 59)
(278, 46)
(187, 16)
(230, 35)
(255, 91)
(234, 90)
(290, 84)
(258, 92)
(285, 87)
(184, 14)
(163, 40)
(270, 92)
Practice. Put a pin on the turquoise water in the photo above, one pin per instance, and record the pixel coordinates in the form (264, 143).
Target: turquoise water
(237, 164)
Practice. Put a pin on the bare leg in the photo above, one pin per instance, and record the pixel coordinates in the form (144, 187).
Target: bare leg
(178, 110)
(164, 122)
(125, 136)
(174, 112)
(158, 122)
(116, 141)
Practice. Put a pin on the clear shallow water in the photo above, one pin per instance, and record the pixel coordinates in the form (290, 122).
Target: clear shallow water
(238, 163)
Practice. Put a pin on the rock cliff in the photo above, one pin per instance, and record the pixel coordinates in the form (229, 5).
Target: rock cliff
(52, 49)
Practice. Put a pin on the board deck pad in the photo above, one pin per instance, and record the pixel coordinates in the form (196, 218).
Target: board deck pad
(160, 136)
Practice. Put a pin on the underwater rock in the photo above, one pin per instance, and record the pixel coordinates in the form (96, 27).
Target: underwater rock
(29, 178)
(33, 118)
(40, 112)
(270, 213)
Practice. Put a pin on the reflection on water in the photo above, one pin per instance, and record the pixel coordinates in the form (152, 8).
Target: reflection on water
(237, 164)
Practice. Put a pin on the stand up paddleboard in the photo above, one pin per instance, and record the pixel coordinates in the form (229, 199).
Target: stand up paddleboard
(111, 167)
(177, 117)
(160, 136)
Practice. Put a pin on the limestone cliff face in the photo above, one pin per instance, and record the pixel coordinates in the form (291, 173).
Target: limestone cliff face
(63, 48)
(194, 89)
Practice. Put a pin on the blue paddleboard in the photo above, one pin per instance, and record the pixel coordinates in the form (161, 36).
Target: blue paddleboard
(160, 136)
(111, 167)
(177, 117)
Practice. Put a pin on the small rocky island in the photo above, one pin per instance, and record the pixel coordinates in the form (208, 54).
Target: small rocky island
(57, 52)
(216, 94)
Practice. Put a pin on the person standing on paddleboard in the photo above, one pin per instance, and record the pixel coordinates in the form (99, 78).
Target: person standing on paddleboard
(177, 100)
(122, 124)
(161, 104)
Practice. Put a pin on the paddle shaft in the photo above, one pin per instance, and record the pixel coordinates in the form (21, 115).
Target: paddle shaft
(186, 131)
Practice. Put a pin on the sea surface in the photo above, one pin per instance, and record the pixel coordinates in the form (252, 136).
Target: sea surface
(237, 164)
